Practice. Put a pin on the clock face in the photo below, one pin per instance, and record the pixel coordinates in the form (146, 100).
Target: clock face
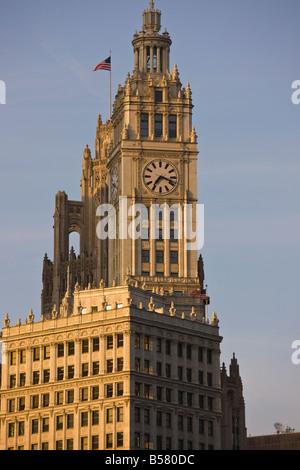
(160, 177)
(114, 183)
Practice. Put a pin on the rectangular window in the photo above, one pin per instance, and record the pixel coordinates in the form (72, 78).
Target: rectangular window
(21, 428)
(71, 348)
(146, 343)
(159, 256)
(22, 379)
(11, 405)
(96, 344)
(13, 357)
(84, 443)
(209, 356)
(84, 394)
(96, 368)
(35, 377)
(60, 398)
(137, 341)
(120, 389)
(168, 395)
(109, 416)
(109, 441)
(95, 392)
(120, 364)
(84, 418)
(120, 439)
(158, 96)
(59, 423)
(46, 352)
(34, 402)
(174, 257)
(137, 414)
(70, 421)
(147, 391)
(158, 127)
(21, 406)
(109, 366)
(45, 425)
(84, 369)
(45, 400)
(70, 445)
(109, 390)
(109, 342)
(95, 442)
(172, 127)
(146, 366)
(95, 417)
(180, 423)
(70, 396)
(22, 356)
(120, 414)
(84, 346)
(36, 354)
(144, 125)
(200, 354)
(46, 376)
(12, 381)
(71, 372)
(34, 426)
(60, 373)
(120, 340)
(60, 350)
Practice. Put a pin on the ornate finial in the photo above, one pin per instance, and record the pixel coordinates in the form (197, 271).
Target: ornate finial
(151, 5)
(30, 316)
(172, 310)
(6, 321)
(151, 305)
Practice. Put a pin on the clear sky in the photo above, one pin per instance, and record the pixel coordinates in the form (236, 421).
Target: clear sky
(240, 58)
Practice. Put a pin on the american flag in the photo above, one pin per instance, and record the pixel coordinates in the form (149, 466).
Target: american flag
(201, 294)
(104, 65)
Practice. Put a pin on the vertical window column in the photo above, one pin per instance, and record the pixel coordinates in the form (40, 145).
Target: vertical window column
(29, 359)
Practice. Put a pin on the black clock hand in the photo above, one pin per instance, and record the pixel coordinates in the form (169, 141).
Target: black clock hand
(156, 182)
(171, 181)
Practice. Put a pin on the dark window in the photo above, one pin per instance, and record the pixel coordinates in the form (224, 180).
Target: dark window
(174, 257)
(85, 346)
(71, 348)
(144, 125)
(158, 125)
(172, 126)
(145, 256)
(158, 96)
(159, 256)
(95, 344)
(60, 350)
(109, 342)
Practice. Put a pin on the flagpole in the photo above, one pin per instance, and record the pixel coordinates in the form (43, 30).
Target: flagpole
(206, 305)
(110, 88)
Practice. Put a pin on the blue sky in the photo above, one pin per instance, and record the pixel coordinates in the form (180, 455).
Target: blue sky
(240, 58)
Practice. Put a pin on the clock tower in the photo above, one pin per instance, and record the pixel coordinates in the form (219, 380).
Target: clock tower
(152, 169)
